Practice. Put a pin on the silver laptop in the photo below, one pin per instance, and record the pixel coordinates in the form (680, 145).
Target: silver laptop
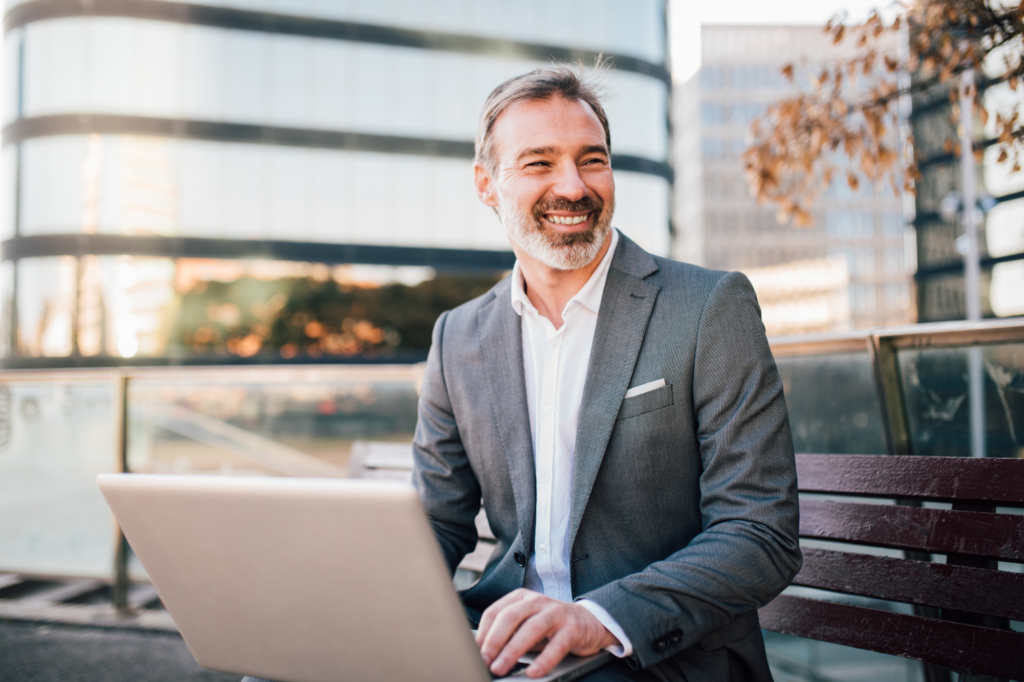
(303, 580)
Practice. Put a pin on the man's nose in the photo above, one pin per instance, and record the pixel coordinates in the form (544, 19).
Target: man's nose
(569, 185)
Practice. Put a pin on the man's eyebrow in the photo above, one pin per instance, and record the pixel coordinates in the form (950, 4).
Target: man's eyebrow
(595, 149)
(536, 151)
(540, 151)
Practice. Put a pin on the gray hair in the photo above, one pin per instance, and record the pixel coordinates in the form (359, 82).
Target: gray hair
(560, 80)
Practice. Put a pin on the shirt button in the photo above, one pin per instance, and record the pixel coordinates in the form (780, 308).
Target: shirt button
(542, 548)
(546, 477)
(548, 408)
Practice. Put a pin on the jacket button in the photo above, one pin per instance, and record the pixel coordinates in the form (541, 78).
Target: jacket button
(675, 637)
(659, 645)
(520, 558)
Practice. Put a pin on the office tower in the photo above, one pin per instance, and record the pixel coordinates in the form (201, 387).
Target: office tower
(153, 149)
(999, 212)
(847, 271)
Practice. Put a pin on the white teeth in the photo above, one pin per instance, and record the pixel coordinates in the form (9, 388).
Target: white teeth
(568, 220)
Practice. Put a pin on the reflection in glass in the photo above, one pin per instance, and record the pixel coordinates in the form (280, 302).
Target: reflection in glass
(294, 424)
(938, 398)
(794, 659)
(127, 306)
(54, 439)
(123, 184)
(825, 420)
(94, 305)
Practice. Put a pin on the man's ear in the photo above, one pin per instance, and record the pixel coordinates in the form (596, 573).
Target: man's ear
(485, 188)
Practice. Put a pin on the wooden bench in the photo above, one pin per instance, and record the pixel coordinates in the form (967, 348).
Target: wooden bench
(962, 608)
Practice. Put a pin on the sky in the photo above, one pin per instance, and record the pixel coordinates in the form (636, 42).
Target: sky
(686, 16)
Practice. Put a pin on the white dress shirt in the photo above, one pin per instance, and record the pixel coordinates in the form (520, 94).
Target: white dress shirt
(555, 364)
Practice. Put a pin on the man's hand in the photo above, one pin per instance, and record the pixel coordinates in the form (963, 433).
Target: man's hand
(522, 619)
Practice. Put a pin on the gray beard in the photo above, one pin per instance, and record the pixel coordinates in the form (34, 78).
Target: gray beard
(561, 252)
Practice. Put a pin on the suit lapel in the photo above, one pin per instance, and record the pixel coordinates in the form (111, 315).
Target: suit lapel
(501, 345)
(626, 307)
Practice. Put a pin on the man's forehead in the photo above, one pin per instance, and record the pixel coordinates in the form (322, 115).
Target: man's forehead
(547, 126)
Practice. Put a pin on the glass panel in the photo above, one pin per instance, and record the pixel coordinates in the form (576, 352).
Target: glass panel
(633, 27)
(8, 183)
(940, 386)
(55, 437)
(174, 70)
(147, 186)
(295, 423)
(794, 659)
(45, 302)
(110, 305)
(6, 306)
(827, 421)
(265, 423)
(9, 68)
(126, 306)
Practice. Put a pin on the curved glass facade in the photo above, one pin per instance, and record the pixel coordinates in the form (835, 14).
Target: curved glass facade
(195, 131)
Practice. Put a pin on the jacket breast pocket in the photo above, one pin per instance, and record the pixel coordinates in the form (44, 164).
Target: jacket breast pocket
(646, 402)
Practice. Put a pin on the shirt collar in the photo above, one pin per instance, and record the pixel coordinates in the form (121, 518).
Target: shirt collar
(589, 296)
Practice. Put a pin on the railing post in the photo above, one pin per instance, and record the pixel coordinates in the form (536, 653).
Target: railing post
(889, 385)
(119, 591)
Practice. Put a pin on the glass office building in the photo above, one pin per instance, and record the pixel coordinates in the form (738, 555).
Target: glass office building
(850, 269)
(152, 148)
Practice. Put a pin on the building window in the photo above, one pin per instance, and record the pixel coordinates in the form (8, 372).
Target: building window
(712, 147)
(863, 299)
(712, 113)
(894, 260)
(892, 224)
(712, 78)
(756, 77)
(850, 224)
(743, 113)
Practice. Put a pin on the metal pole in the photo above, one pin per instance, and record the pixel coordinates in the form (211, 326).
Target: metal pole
(119, 591)
(968, 185)
(972, 261)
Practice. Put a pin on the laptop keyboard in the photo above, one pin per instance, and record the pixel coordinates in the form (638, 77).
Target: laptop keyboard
(518, 667)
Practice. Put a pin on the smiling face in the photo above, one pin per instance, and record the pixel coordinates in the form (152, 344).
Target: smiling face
(552, 181)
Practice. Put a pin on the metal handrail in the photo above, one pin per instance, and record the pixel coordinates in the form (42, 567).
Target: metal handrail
(261, 373)
(926, 335)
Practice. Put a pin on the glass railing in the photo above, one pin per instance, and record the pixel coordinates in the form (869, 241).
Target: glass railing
(59, 429)
(953, 389)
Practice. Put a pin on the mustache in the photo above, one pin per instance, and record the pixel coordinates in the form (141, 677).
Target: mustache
(584, 205)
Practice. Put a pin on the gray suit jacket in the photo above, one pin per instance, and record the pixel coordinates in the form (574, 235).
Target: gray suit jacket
(684, 508)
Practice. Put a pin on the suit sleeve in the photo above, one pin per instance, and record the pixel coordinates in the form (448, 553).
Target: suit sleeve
(447, 486)
(748, 550)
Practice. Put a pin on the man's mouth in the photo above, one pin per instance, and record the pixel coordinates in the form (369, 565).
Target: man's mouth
(566, 219)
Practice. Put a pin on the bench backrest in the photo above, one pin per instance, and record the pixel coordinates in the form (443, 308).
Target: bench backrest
(962, 607)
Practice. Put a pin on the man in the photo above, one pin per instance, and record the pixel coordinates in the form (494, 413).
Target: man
(619, 415)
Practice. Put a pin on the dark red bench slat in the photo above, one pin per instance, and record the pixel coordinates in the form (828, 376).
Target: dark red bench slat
(968, 648)
(967, 479)
(975, 590)
(994, 536)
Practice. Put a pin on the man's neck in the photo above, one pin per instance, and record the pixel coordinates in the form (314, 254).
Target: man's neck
(550, 289)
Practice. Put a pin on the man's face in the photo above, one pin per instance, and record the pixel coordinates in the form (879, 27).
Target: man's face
(552, 181)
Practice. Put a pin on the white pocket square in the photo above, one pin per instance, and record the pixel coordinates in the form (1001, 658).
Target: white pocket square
(644, 388)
